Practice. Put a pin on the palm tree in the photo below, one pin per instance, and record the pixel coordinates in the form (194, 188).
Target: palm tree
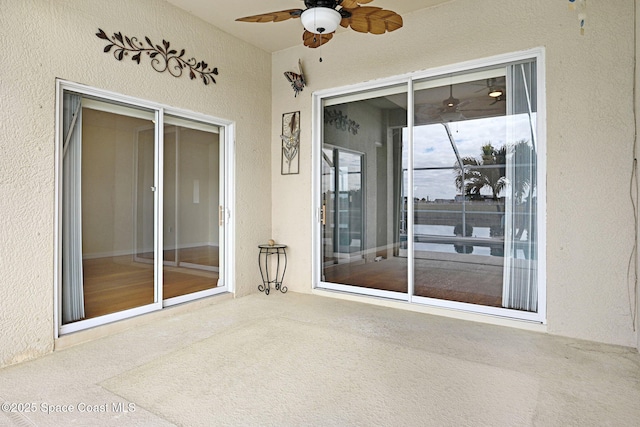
(490, 171)
(523, 182)
(487, 171)
(524, 185)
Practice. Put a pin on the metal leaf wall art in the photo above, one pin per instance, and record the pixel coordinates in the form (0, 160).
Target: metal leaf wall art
(163, 57)
(340, 121)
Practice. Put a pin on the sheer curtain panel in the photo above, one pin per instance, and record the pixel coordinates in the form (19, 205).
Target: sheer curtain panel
(520, 287)
(72, 281)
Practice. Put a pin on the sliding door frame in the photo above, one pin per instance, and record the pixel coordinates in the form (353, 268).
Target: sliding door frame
(226, 211)
(318, 98)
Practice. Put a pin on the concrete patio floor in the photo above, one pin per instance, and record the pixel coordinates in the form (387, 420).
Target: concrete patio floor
(304, 360)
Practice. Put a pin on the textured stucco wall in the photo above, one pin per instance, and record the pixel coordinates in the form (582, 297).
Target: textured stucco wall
(637, 152)
(42, 40)
(589, 87)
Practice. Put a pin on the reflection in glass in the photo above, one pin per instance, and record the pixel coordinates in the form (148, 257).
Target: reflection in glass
(474, 169)
(459, 212)
(191, 201)
(472, 176)
(348, 224)
(362, 193)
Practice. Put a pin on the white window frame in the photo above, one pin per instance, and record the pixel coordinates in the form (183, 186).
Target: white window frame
(537, 54)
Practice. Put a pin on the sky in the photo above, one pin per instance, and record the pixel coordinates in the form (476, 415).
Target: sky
(433, 149)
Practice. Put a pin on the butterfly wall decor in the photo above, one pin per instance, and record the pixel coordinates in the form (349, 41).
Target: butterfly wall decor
(297, 80)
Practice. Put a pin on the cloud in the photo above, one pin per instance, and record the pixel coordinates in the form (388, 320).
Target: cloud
(433, 149)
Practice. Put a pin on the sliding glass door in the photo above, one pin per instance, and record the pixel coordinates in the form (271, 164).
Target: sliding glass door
(362, 193)
(103, 209)
(444, 175)
(192, 199)
(460, 150)
(142, 209)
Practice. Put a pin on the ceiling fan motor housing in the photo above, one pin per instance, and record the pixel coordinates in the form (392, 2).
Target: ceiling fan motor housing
(332, 4)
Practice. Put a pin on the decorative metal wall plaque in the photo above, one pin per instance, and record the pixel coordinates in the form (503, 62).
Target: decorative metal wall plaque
(340, 121)
(290, 162)
(163, 58)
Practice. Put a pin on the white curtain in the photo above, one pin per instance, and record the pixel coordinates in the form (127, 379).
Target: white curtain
(520, 285)
(72, 282)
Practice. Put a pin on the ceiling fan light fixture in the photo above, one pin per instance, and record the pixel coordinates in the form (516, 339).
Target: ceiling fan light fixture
(495, 92)
(451, 102)
(321, 20)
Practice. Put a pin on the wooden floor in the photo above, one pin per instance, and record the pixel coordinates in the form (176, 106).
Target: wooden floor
(201, 255)
(469, 282)
(119, 283)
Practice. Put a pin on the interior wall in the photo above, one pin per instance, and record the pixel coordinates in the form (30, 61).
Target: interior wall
(108, 147)
(589, 135)
(43, 40)
(196, 164)
(369, 119)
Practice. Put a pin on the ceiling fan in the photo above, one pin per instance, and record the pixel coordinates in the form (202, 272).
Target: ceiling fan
(451, 110)
(451, 103)
(495, 89)
(322, 17)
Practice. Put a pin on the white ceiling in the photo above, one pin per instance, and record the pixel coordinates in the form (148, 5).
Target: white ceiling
(274, 36)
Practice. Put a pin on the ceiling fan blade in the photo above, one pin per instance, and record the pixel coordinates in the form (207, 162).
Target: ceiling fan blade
(315, 40)
(483, 110)
(374, 20)
(352, 4)
(282, 15)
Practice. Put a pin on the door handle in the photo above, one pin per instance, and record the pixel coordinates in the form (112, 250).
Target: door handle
(220, 215)
(323, 215)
